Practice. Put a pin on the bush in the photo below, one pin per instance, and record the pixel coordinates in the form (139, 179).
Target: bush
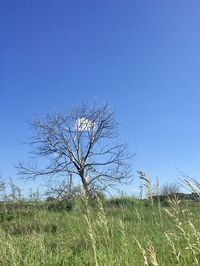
(121, 201)
(59, 205)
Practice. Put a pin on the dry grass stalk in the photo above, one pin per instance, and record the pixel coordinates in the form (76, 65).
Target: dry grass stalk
(92, 237)
(190, 184)
(193, 187)
(102, 219)
(195, 233)
(147, 185)
(174, 202)
(194, 247)
(176, 253)
(152, 254)
(143, 251)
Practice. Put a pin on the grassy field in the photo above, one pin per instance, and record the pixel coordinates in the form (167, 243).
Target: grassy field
(133, 233)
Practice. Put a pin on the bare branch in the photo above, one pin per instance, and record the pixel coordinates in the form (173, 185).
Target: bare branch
(80, 143)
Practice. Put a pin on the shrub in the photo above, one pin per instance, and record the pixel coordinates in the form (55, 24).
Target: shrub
(121, 201)
(59, 205)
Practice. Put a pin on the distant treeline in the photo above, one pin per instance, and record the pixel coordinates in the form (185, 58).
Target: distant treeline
(182, 196)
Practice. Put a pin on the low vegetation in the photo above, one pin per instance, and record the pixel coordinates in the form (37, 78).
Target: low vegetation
(116, 231)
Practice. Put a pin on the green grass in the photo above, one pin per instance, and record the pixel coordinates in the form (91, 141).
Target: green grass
(126, 234)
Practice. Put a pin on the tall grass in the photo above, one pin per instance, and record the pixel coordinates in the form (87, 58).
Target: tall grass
(102, 233)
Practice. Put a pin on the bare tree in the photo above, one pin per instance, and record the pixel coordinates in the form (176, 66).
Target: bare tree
(81, 146)
(170, 189)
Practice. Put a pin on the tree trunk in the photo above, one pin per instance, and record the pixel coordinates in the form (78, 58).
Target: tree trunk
(85, 184)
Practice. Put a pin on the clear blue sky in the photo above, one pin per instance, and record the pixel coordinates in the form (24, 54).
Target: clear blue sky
(142, 57)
